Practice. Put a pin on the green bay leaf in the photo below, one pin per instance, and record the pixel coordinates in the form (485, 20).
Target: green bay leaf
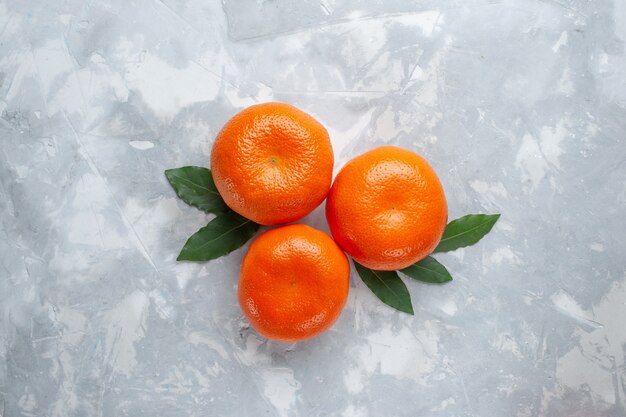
(466, 231)
(428, 270)
(225, 233)
(195, 186)
(387, 286)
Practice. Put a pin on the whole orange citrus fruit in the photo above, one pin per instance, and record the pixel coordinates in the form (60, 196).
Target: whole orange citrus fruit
(272, 163)
(293, 283)
(387, 208)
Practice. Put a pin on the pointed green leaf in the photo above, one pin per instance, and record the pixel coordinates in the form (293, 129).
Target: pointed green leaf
(387, 286)
(466, 231)
(428, 270)
(195, 186)
(225, 233)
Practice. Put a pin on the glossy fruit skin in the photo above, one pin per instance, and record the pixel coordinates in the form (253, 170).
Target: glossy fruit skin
(387, 208)
(293, 283)
(272, 163)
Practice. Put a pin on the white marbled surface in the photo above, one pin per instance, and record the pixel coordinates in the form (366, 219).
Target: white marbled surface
(519, 105)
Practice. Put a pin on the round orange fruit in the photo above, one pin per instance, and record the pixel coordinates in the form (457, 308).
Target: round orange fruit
(387, 208)
(293, 283)
(272, 163)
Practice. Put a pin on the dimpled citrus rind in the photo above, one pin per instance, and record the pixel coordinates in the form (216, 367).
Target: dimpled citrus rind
(387, 208)
(272, 163)
(293, 283)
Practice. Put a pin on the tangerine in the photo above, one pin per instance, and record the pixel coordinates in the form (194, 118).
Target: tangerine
(293, 283)
(272, 163)
(387, 208)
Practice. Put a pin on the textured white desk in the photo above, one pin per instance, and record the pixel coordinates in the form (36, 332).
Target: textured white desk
(519, 105)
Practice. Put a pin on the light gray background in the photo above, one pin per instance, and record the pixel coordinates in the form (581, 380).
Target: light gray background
(519, 105)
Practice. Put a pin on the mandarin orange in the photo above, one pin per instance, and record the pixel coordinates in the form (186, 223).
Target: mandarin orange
(387, 208)
(272, 163)
(293, 283)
